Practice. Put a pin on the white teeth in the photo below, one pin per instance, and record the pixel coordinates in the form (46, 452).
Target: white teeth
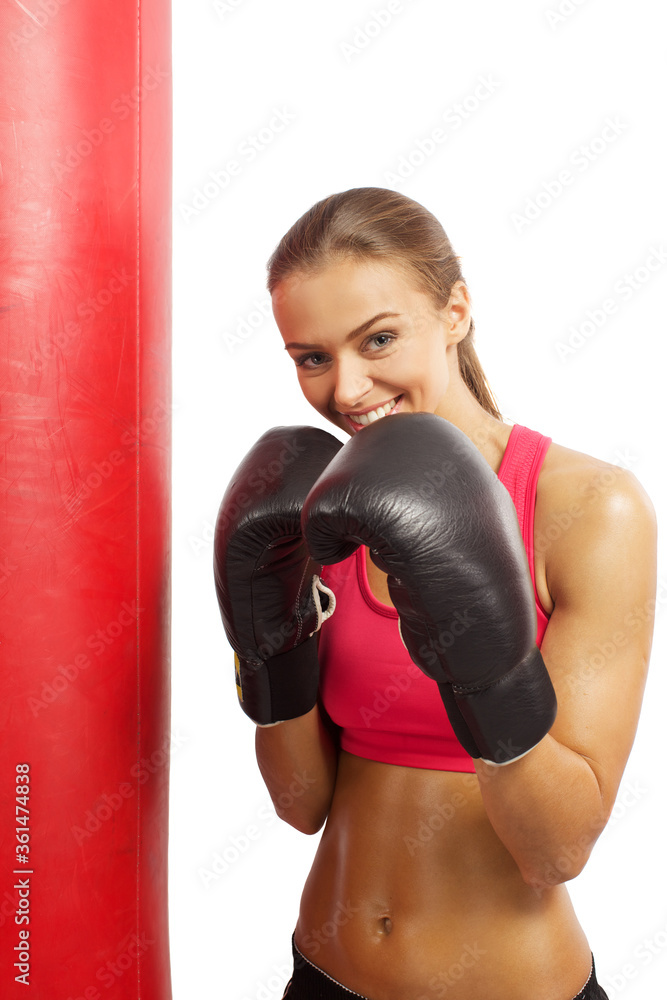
(372, 415)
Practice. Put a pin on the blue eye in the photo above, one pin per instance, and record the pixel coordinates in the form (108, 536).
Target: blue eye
(301, 361)
(386, 337)
(317, 359)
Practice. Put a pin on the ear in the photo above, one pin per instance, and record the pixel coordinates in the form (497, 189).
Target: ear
(456, 314)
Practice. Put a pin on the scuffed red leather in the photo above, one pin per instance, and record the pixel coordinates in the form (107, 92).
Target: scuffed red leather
(85, 516)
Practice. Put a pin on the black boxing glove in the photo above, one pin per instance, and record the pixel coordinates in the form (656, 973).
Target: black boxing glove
(438, 521)
(271, 599)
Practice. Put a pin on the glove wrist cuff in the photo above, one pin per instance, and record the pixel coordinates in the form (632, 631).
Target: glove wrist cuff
(509, 718)
(280, 688)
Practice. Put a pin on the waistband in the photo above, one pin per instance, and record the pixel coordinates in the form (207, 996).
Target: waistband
(314, 983)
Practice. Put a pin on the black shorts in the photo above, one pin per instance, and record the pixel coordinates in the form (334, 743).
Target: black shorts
(310, 983)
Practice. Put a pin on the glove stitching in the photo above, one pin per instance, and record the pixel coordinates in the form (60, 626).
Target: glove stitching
(299, 616)
(476, 688)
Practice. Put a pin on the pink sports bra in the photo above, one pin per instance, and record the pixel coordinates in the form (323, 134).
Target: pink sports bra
(386, 708)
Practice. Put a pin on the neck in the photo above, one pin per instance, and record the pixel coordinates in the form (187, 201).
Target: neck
(462, 409)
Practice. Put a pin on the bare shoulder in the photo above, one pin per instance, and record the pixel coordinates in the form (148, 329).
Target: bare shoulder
(568, 476)
(584, 504)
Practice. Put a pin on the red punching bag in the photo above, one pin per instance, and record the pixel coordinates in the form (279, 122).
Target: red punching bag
(85, 181)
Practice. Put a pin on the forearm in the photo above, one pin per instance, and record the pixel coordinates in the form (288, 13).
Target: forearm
(547, 809)
(298, 761)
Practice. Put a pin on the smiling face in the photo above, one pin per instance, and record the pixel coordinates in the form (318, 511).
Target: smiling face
(366, 341)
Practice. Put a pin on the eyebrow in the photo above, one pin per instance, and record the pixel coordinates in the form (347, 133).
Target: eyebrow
(355, 333)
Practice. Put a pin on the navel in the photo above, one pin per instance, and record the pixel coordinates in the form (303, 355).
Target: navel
(386, 926)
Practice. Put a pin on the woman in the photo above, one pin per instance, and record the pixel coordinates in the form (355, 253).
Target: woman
(439, 874)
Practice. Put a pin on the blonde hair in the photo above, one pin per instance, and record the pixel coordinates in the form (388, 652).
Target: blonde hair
(376, 223)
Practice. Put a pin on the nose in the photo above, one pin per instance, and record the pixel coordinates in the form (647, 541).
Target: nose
(352, 383)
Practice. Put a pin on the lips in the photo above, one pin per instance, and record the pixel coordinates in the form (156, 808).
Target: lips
(358, 420)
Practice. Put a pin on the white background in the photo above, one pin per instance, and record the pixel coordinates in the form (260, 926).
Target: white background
(356, 112)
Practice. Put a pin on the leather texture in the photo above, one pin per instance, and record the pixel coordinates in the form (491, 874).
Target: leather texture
(418, 493)
(85, 515)
(264, 574)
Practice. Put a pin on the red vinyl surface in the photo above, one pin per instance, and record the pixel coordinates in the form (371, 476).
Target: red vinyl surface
(85, 397)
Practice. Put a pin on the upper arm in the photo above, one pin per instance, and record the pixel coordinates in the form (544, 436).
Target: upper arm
(601, 575)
